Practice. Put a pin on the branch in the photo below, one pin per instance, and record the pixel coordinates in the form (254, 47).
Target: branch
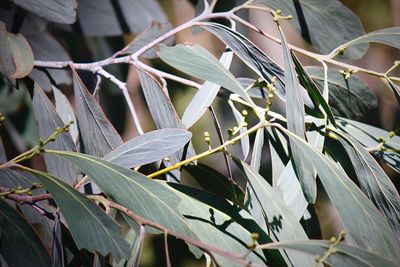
(142, 221)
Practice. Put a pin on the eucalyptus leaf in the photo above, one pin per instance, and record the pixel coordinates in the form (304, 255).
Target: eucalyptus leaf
(56, 11)
(295, 123)
(244, 141)
(203, 99)
(257, 150)
(133, 190)
(18, 236)
(374, 182)
(387, 36)
(16, 51)
(48, 121)
(394, 87)
(223, 224)
(345, 256)
(197, 61)
(98, 135)
(369, 136)
(90, 227)
(324, 24)
(353, 101)
(280, 220)
(351, 204)
(110, 18)
(162, 111)
(149, 147)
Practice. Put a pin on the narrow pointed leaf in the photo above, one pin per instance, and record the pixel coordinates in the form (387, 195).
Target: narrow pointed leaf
(133, 190)
(353, 101)
(90, 227)
(388, 36)
(313, 19)
(295, 123)
(48, 120)
(220, 223)
(162, 111)
(345, 256)
(369, 136)
(257, 150)
(394, 87)
(374, 182)
(98, 135)
(281, 222)
(66, 113)
(149, 147)
(203, 99)
(198, 62)
(351, 203)
(17, 237)
(245, 141)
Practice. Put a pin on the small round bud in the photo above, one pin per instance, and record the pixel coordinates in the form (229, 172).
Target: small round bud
(244, 112)
(273, 79)
(289, 17)
(278, 11)
(235, 129)
(58, 129)
(19, 187)
(334, 250)
(71, 122)
(230, 131)
(53, 139)
(37, 152)
(317, 258)
(207, 139)
(392, 134)
(333, 239)
(245, 124)
(270, 95)
(381, 139)
(254, 236)
(66, 129)
(206, 134)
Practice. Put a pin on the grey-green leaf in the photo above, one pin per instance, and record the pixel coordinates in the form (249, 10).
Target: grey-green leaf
(90, 227)
(133, 190)
(257, 150)
(245, 140)
(351, 203)
(162, 111)
(281, 222)
(388, 36)
(149, 147)
(351, 102)
(198, 62)
(324, 24)
(48, 120)
(345, 256)
(374, 181)
(17, 237)
(203, 99)
(295, 123)
(56, 11)
(98, 135)
(369, 136)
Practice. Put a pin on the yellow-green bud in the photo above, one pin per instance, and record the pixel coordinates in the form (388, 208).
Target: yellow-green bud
(392, 134)
(254, 236)
(244, 112)
(333, 239)
(206, 134)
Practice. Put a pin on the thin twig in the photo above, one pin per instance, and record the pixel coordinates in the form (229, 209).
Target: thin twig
(167, 259)
(124, 89)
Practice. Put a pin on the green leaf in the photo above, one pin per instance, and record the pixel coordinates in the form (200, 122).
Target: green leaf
(295, 123)
(152, 32)
(281, 222)
(394, 87)
(203, 99)
(101, 18)
(245, 140)
(345, 256)
(198, 62)
(312, 90)
(353, 101)
(98, 135)
(374, 181)
(388, 36)
(257, 150)
(215, 182)
(351, 203)
(133, 190)
(55, 11)
(15, 54)
(324, 24)
(369, 136)
(162, 111)
(48, 121)
(149, 147)
(17, 237)
(90, 227)
(222, 224)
